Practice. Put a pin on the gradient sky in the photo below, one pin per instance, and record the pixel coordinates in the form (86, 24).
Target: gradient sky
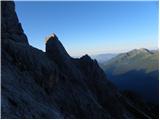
(91, 27)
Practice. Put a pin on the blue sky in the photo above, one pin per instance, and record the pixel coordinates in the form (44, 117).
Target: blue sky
(91, 27)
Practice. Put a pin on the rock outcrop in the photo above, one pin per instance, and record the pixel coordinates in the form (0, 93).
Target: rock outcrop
(55, 49)
(51, 84)
(10, 26)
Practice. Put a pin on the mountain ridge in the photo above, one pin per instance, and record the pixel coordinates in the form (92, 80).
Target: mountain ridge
(135, 59)
(138, 67)
(51, 84)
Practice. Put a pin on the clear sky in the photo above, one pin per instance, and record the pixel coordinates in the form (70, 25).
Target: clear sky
(91, 27)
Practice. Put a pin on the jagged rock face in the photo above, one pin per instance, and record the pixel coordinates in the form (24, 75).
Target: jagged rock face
(51, 84)
(55, 49)
(10, 26)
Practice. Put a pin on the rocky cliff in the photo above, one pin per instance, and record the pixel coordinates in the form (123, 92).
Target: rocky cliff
(51, 84)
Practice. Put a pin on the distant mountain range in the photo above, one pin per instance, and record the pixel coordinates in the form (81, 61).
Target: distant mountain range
(137, 71)
(103, 57)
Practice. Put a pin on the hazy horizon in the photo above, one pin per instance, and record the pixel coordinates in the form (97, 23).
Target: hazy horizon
(91, 27)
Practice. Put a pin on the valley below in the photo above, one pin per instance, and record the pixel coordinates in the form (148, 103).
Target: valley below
(136, 73)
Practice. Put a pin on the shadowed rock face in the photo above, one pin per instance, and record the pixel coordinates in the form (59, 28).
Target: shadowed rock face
(51, 84)
(10, 26)
(55, 49)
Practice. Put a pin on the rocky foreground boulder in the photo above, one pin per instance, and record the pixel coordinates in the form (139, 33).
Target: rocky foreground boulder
(51, 84)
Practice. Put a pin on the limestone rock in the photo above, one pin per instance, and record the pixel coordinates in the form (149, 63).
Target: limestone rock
(51, 84)
(11, 28)
(55, 49)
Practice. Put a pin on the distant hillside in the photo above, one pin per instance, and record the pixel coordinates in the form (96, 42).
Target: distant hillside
(137, 71)
(103, 57)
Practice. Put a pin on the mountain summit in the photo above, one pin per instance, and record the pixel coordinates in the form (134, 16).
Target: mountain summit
(51, 36)
(51, 84)
(55, 49)
(137, 59)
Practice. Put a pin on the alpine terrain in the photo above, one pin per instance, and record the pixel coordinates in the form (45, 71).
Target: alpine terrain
(51, 84)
